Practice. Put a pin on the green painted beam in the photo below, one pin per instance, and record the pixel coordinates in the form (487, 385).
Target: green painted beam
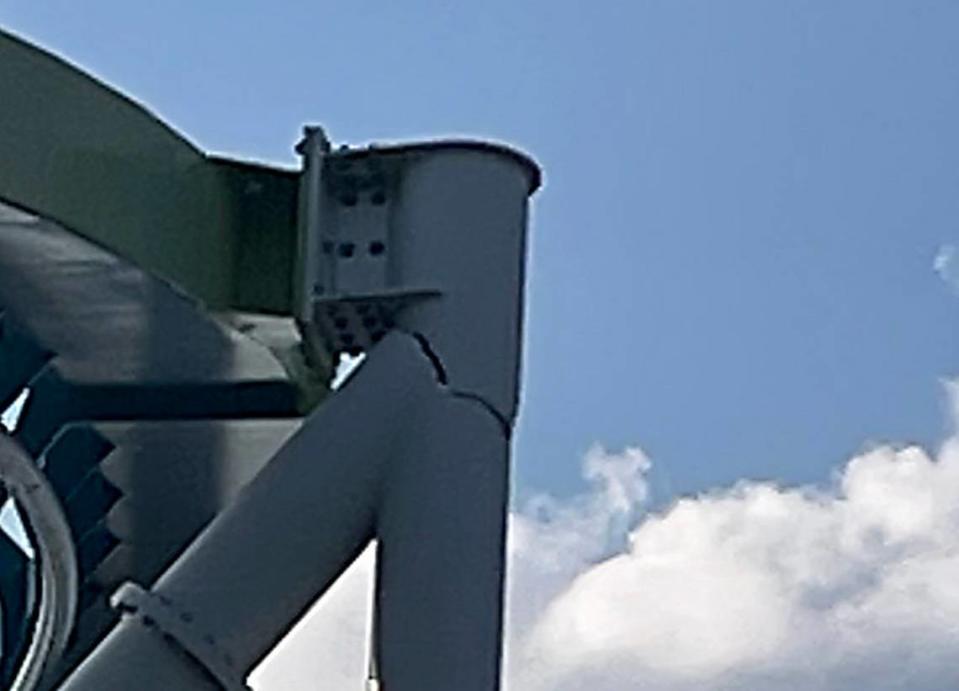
(77, 151)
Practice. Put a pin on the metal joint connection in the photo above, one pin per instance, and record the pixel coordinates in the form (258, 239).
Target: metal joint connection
(414, 253)
(352, 287)
(425, 238)
(179, 627)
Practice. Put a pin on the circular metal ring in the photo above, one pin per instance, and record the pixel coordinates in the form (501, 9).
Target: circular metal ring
(48, 530)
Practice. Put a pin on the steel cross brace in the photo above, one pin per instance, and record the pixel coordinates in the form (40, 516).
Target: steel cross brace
(413, 451)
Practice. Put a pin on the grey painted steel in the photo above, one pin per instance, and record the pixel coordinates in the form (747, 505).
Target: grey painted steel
(176, 625)
(440, 560)
(289, 535)
(49, 532)
(413, 450)
(95, 337)
(140, 659)
(110, 353)
(308, 514)
(314, 149)
(171, 479)
(401, 226)
(416, 451)
(465, 215)
(197, 466)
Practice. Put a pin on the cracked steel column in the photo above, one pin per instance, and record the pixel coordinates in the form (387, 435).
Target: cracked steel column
(419, 259)
(442, 523)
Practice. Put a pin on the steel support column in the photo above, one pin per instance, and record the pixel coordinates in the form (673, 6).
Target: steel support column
(414, 450)
(286, 538)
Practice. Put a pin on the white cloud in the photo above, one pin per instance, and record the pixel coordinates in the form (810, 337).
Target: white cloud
(552, 541)
(763, 587)
(326, 651)
(946, 264)
(756, 586)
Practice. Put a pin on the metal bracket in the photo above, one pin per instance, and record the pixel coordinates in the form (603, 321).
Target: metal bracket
(179, 628)
(350, 281)
(421, 236)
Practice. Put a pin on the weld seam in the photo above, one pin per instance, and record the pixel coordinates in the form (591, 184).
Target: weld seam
(441, 376)
(505, 427)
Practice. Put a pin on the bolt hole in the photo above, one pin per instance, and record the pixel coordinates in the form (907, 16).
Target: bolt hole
(377, 248)
(346, 250)
(349, 199)
(369, 322)
(378, 198)
(340, 323)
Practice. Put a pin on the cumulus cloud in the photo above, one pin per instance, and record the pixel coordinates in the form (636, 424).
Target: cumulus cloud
(552, 541)
(764, 587)
(754, 586)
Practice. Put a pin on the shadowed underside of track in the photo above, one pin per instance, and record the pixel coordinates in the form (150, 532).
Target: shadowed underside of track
(139, 402)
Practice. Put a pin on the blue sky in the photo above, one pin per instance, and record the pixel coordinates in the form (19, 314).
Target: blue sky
(732, 256)
(737, 265)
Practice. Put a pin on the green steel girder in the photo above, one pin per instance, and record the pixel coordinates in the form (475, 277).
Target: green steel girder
(74, 150)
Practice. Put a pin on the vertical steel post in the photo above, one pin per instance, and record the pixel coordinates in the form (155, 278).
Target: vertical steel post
(440, 559)
(442, 523)
(414, 451)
